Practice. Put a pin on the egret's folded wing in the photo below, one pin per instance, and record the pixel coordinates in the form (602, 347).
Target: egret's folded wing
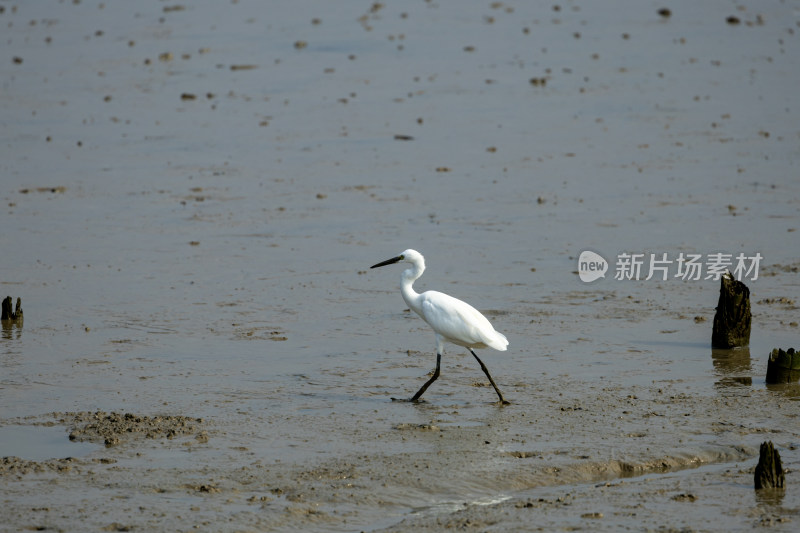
(459, 322)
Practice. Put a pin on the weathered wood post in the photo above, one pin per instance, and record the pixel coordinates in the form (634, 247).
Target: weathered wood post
(783, 367)
(8, 312)
(769, 472)
(732, 319)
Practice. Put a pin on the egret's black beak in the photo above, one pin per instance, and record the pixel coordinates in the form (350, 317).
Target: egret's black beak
(391, 261)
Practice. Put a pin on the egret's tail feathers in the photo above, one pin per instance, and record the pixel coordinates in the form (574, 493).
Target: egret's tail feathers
(498, 341)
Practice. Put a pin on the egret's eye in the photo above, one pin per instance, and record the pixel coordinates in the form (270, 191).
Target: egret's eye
(402, 257)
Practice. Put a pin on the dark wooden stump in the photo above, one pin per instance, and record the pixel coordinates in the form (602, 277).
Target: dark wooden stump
(769, 472)
(783, 367)
(8, 313)
(732, 320)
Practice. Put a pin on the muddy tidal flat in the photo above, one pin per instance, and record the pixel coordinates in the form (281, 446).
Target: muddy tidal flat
(193, 194)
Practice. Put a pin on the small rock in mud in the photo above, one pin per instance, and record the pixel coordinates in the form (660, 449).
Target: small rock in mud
(116, 526)
(522, 455)
(206, 488)
(783, 300)
(423, 427)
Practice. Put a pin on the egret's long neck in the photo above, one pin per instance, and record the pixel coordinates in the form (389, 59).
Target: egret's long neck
(412, 297)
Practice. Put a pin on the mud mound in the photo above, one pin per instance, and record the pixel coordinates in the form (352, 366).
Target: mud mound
(115, 428)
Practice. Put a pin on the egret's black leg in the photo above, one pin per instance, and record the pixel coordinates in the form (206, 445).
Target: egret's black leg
(486, 371)
(427, 383)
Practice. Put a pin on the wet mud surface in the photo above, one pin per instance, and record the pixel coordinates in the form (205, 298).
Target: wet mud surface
(643, 455)
(193, 194)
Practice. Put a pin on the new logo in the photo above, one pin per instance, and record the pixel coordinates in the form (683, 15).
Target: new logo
(591, 266)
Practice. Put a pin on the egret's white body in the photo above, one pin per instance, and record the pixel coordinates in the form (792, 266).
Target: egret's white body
(453, 320)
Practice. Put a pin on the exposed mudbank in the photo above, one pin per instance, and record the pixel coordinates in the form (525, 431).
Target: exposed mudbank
(425, 475)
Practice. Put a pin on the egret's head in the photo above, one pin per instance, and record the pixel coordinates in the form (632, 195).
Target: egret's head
(413, 257)
(409, 256)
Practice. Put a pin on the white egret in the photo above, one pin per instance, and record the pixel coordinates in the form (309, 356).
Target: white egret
(453, 320)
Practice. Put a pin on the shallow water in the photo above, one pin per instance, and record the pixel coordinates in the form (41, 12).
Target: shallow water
(209, 256)
(37, 443)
